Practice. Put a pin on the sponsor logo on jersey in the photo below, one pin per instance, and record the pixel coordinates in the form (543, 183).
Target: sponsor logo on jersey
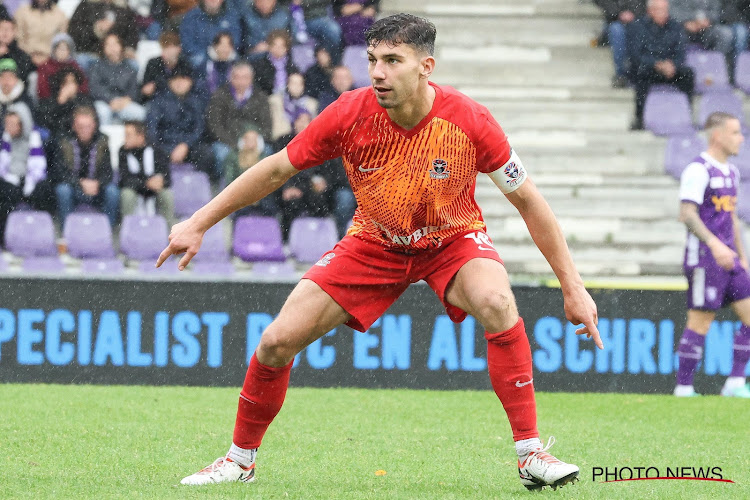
(411, 238)
(439, 169)
(325, 260)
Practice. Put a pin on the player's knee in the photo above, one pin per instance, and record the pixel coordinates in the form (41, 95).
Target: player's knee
(496, 310)
(276, 348)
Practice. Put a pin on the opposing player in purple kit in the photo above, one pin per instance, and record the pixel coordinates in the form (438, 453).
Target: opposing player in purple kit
(715, 261)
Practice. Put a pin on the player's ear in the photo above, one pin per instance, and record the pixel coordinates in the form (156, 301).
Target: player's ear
(427, 66)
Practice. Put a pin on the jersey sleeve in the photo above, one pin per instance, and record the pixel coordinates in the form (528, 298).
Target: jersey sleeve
(693, 183)
(493, 150)
(319, 142)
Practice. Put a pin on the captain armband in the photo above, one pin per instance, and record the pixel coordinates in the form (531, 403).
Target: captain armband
(510, 176)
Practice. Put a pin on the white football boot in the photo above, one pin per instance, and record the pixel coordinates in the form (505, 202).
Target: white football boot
(223, 470)
(540, 469)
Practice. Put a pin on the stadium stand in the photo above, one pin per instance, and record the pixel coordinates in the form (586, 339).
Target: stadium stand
(532, 64)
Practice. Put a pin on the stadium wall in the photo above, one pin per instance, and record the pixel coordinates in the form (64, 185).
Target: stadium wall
(203, 333)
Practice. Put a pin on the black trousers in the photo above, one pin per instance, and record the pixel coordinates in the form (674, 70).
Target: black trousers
(683, 80)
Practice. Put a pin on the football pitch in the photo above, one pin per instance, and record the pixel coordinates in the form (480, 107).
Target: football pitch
(138, 442)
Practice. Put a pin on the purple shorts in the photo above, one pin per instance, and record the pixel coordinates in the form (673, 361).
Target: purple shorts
(712, 287)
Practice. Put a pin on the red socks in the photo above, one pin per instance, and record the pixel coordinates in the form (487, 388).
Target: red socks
(510, 366)
(260, 400)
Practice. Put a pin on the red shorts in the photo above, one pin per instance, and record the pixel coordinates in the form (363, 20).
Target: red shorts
(365, 278)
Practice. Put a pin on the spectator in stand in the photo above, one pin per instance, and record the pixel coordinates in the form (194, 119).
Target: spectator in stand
(144, 174)
(215, 73)
(38, 23)
(318, 24)
(176, 124)
(114, 85)
(700, 18)
(63, 56)
(736, 15)
(234, 107)
(56, 112)
(285, 107)
(93, 20)
(271, 71)
(12, 88)
(658, 54)
(9, 49)
(23, 166)
(161, 68)
(318, 76)
(355, 17)
(201, 25)
(168, 15)
(341, 81)
(84, 169)
(619, 16)
(263, 17)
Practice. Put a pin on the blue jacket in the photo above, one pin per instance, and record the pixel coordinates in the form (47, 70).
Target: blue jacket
(649, 42)
(258, 27)
(171, 120)
(198, 30)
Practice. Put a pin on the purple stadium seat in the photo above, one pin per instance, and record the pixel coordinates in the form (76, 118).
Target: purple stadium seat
(355, 58)
(88, 235)
(743, 202)
(668, 113)
(275, 270)
(725, 101)
(311, 237)
(681, 149)
(143, 237)
(212, 268)
(30, 233)
(181, 167)
(42, 265)
(258, 238)
(303, 56)
(191, 191)
(102, 266)
(214, 246)
(3, 265)
(710, 69)
(742, 72)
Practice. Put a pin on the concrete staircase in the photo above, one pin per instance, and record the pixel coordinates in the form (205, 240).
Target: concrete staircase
(531, 63)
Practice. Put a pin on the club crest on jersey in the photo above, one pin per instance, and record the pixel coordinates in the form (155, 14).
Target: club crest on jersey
(439, 169)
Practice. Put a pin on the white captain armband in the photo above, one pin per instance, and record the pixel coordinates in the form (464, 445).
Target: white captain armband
(510, 176)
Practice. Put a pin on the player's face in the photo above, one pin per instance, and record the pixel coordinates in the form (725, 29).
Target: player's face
(730, 137)
(395, 73)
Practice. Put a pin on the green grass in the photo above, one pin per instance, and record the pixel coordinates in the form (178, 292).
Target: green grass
(138, 442)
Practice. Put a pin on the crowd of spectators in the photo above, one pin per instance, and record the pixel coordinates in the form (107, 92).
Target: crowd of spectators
(223, 93)
(649, 40)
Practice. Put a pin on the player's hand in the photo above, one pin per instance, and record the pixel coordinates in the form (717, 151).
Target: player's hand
(723, 255)
(581, 309)
(185, 238)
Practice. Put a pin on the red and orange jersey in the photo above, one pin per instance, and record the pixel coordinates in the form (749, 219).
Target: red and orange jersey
(414, 188)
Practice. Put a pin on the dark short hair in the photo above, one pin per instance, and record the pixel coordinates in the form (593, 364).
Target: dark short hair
(220, 35)
(86, 111)
(717, 119)
(140, 127)
(283, 34)
(169, 38)
(403, 28)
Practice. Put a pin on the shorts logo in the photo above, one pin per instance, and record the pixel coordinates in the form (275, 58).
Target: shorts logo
(439, 169)
(323, 262)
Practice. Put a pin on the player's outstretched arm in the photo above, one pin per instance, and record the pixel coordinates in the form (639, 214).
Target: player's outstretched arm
(254, 184)
(547, 234)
